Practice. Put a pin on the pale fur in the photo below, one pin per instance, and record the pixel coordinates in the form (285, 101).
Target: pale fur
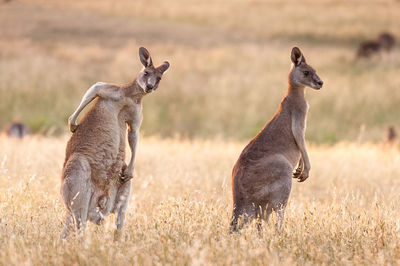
(95, 179)
(262, 176)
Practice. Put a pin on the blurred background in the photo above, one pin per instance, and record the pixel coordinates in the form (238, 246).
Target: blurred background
(229, 63)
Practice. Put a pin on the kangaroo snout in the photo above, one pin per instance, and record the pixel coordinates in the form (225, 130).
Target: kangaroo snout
(317, 83)
(149, 88)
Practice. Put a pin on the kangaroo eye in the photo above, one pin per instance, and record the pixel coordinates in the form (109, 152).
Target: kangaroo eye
(306, 73)
(146, 73)
(158, 79)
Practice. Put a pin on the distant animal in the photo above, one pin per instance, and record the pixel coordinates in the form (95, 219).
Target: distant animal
(368, 48)
(385, 42)
(95, 179)
(391, 135)
(262, 176)
(18, 130)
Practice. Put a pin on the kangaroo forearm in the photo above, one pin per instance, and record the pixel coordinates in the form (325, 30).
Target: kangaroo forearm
(133, 137)
(82, 105)
(298, 127)
(89, 96)
(303, 151)
(299, 138)
(306, 160)
(304, 154)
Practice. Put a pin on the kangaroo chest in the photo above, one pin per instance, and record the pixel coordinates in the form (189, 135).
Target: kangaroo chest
(101, 138)
(116, 152)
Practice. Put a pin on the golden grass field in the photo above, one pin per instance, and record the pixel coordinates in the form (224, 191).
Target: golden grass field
(229, 62)
(345, 213)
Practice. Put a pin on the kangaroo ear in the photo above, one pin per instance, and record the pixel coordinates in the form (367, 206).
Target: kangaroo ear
(163, 67)
(145, 58)
(297, 57)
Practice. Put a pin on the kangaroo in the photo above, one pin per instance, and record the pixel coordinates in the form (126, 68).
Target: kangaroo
(95, 179)
(368, 48)
(391, 136)
(18, 130)
(262, 176)
(385, 42)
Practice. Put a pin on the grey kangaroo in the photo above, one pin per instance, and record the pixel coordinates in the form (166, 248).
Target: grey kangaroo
(95, 179)
(262, 176)
(18, 130)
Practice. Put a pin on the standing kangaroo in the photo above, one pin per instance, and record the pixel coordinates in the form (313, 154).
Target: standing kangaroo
(262, 176)
(95, 179)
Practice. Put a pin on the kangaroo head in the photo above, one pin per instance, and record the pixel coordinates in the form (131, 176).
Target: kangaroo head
(150, 76)
(301, 73)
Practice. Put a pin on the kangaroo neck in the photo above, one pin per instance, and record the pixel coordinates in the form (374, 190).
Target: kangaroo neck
(296, 91)
(134, 91)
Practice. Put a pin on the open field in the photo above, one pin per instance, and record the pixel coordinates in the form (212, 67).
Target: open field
(229, 62)
(345, 213)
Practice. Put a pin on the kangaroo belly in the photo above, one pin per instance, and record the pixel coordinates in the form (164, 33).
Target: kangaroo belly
(98, 138)
(266, 178)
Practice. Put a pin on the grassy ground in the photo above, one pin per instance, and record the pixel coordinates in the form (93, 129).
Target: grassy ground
(229, 62)
(345, 213)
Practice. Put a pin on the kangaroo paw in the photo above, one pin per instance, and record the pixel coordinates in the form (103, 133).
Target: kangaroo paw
(297, 172)
(102, 202)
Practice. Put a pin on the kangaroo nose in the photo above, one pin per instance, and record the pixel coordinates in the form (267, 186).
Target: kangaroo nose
(320, 83)
(149, 87)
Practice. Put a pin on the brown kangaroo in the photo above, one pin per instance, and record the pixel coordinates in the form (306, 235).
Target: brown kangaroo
(95, 179)
(262, 176)
(368, 48)
(385, 42)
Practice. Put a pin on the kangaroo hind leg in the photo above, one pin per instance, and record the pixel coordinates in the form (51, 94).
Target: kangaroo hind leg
(76, 190)
(67, 227)
(242, 214)
(121, 204)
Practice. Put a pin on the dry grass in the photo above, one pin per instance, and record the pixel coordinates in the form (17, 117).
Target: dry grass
(229, 61)
(346, 213)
